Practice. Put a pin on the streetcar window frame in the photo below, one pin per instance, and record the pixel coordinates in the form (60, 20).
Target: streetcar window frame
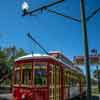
(17, 75)
(28, 75)
(43, 67)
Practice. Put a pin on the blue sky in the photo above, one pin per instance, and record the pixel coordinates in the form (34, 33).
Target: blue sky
(53, 32)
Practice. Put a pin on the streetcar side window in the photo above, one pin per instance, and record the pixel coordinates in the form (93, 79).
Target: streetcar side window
(73, 80)
(17, 76)
(40, 74)
(66, 78)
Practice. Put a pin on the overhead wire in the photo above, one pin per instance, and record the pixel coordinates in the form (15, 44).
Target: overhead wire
(93, 14)
(65, 16)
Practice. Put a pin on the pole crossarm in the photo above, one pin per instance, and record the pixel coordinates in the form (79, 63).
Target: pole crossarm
(43, 7)
(93, 14)
(65, 16)
(72, 18)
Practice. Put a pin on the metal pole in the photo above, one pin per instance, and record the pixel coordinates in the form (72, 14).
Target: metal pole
(86, 52)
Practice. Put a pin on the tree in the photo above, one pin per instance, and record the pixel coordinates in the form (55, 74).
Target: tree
(7, 57)
(20, 53)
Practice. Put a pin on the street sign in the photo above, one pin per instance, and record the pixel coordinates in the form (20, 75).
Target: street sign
(93, 59)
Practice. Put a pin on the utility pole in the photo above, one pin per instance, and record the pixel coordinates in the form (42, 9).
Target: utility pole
(86, 51)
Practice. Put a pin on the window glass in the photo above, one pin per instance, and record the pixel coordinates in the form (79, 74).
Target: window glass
(66, 78)
(40, 74)
(26, 76)
(27, 66)
(17, 76)
(57, 75)
(27, 70)
(73, 82)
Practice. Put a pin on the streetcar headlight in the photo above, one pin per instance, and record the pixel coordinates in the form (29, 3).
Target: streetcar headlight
(23, 96)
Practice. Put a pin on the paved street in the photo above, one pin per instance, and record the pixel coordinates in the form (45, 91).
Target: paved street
(5, 96)
(84, 98)
(9, 96)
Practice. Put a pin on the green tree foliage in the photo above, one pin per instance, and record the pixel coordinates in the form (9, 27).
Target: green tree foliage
(7, 57)
(15, 53)
(20, 52)
(2, 56)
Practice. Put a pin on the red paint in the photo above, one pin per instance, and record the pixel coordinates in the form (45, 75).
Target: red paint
(62, 83)
(17, 94)
(37, 93)
(42, 92)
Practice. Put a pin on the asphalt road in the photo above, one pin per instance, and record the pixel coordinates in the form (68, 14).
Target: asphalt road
(5, 96)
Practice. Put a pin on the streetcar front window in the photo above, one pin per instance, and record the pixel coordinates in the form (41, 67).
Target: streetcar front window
(27, 70)
(26, 76)
(40, 74)
(24, 72)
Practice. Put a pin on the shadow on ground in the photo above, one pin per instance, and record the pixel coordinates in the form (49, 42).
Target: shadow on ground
(84, 98)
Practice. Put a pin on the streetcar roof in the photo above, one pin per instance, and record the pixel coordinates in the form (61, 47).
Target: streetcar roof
(30, 56)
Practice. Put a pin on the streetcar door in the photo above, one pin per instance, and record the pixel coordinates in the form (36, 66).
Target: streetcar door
(55, 87)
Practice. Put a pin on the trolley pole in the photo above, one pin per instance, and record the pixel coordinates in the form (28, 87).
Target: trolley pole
(86, 51)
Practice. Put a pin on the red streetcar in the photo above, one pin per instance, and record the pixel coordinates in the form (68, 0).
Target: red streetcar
(47, 77)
